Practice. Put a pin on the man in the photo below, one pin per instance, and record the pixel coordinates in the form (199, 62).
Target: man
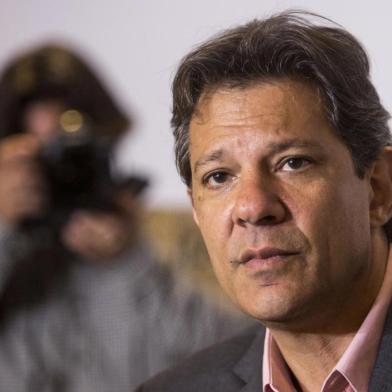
(283, 143)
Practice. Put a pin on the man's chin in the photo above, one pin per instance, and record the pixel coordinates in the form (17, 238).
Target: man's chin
(275, 313)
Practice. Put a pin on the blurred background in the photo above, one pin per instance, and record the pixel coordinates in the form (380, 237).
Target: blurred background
(135, 46)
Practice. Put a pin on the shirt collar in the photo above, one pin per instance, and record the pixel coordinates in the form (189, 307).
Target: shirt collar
(356, 364)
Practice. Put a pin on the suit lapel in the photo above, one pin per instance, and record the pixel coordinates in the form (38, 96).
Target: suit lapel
(249, 368)
(381, 378)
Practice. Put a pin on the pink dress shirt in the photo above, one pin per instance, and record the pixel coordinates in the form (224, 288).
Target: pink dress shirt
(353, 370)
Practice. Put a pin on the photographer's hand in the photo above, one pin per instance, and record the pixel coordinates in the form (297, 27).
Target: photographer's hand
(97, 236)
(22, 187)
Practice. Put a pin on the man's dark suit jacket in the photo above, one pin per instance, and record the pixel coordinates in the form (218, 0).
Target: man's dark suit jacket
(236, 366)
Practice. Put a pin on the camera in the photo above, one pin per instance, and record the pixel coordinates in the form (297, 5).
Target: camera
(77, 172)
(76, 168)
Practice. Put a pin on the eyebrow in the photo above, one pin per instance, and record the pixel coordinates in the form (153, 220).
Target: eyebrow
(213, 156)
(272, 148)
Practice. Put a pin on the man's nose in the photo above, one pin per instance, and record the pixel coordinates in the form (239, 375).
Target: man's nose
(258, 203)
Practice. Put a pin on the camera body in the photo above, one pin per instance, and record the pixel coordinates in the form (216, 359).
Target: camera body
(77, 173)
(75, 165)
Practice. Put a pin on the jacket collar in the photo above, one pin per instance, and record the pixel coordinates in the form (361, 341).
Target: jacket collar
(381, 378)
(250, 367)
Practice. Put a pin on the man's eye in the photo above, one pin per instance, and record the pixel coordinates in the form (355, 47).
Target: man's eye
(216, 179)
(295, 163)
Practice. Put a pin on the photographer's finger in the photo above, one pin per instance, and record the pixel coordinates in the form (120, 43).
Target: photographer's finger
(21, 205)
(94, 236)
(19, 147)
(22, 192)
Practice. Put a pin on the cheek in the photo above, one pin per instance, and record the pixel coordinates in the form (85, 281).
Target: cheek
(337, 227)
(345, 212)
(328, 206)
(350, 223)
(215, 244)
(215, 223)
(214, 218)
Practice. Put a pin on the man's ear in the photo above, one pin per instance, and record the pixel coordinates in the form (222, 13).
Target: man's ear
(195, 218)
(381, 189)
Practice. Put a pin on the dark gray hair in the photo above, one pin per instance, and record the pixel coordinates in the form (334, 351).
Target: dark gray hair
(287, 45)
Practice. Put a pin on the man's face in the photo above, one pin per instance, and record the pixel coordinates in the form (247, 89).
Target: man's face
(283, 214)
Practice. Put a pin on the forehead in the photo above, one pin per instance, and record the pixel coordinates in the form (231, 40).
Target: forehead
(281, 99)
(268, 110)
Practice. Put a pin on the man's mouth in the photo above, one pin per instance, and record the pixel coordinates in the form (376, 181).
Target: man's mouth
(264, 256)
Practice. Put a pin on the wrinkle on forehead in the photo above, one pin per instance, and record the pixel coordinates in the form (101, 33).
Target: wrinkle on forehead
(235, 107)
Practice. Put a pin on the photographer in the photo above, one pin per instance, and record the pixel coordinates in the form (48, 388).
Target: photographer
(35, 91)
(24, 192)
(84, 306)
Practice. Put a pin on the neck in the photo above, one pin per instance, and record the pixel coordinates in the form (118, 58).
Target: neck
(312, 348)
(311, 357)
